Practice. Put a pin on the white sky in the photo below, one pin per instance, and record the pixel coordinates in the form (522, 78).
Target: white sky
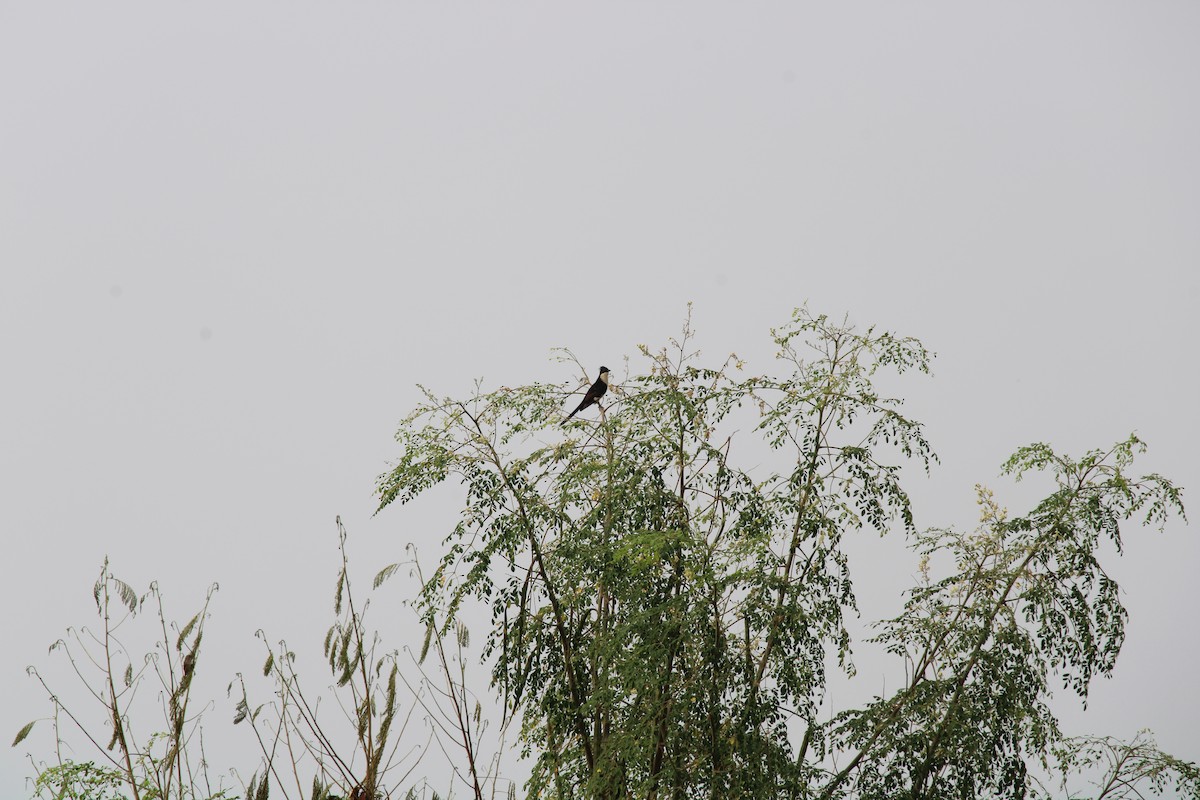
(234, 236)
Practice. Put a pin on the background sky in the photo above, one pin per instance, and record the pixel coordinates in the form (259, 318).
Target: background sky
(234, 236)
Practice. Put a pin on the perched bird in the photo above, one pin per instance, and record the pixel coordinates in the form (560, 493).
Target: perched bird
(593, 394)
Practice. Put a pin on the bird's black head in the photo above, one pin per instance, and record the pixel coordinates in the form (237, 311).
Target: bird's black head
(603, 370)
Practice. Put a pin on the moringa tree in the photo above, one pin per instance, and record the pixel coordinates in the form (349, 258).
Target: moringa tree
(668, 580)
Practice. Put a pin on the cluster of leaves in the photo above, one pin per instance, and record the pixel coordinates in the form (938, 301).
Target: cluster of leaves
(662, 615)
(87, 779)
(91, 781)
(1028, 600)
(1122, 770)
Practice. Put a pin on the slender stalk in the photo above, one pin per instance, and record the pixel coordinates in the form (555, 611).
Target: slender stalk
(118, 726)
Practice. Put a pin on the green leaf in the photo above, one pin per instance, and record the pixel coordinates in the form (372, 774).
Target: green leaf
(186, 630)
(425, 644)
(384, 574)
(337, 595)
(21, 734)
(127, 594)
(464, 635)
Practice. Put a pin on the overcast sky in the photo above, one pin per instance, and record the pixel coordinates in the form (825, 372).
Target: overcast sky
(234, 236)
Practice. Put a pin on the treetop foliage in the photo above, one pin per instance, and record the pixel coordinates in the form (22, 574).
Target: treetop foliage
(665, 596)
